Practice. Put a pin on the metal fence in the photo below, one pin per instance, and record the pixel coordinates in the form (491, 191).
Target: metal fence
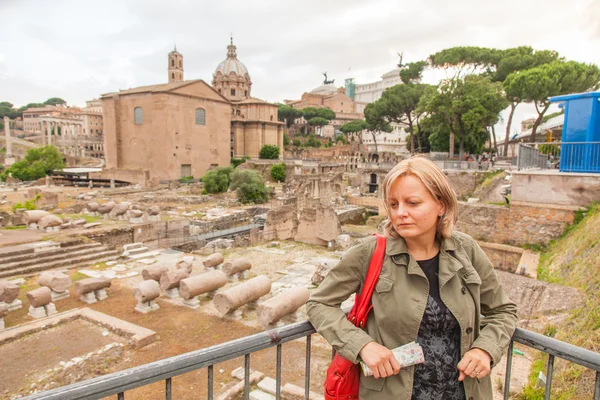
(566, 156)
(119, 382)
(464, 165)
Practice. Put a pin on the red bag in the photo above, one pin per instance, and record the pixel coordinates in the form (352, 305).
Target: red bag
(341, 382)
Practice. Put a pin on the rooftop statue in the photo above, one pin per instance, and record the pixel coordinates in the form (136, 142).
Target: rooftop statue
(326, 82)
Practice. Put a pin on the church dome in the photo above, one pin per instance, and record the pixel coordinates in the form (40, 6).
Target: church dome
(325, 89)
(231, 77)
(232, 64)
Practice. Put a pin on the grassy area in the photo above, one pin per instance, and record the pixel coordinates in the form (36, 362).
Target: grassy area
(14, 228)
(574, 260)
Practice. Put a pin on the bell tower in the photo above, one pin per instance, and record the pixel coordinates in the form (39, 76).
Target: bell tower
(175, 66)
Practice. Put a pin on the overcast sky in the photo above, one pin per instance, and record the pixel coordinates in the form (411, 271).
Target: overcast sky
(81, 49)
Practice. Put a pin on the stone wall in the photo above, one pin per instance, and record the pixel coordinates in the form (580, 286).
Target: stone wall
(148, 232)
(569, 189)
(283, 221)
(522, 223)
(503, 257)
(464, 183)
(352, 215)
(112, 238)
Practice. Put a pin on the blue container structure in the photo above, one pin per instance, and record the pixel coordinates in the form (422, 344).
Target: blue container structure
(580, 150)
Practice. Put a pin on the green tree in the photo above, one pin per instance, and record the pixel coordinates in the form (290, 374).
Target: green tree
(412, 72)
(353, 128)
(297, 143)
(467, 105)
(269, 152)
(7, 110)
(400, 104)
(318, 121)
(326, 113)
(278, 172)
(286, 139)
(36, 164)
(310, 112)
(498, 64)
(341, 139)
(538, 84)
(217, 180)
(288, 114)
(249, 186)
(55, 101)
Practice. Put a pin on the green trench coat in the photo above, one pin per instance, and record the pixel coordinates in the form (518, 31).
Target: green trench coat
(469, 288)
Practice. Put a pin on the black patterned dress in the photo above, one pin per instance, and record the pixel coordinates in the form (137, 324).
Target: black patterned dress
(439, 335)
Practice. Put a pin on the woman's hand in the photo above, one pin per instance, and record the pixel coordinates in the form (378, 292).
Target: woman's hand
(380, 360)
(476, 363)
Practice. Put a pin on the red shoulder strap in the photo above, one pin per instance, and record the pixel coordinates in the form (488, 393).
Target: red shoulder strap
(362, 304)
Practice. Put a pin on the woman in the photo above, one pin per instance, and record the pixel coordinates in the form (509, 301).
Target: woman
(434, 287)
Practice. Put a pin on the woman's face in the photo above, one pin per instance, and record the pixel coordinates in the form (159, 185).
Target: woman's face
(413, 210)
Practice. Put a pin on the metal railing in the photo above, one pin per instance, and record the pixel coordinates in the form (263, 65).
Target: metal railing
(565, 156)
(464, 165)
(119, 382)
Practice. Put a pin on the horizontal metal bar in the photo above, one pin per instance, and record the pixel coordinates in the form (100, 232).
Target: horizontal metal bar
(566, 351)
(142, 375)
(146, 374)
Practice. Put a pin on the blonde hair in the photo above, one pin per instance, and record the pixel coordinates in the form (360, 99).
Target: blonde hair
(436, 183)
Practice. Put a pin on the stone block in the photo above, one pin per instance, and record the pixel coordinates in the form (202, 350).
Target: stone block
(268, 385)
(192, 303)
(147, 307)
(101, 294)
(172, 293)
(37, 312)
(50, 309)
(15, 305)
(260, 395)
(88, 298)
(59, 295)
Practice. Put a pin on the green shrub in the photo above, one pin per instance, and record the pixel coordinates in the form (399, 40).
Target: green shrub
(249, 186)
(269, 152)
(286, 140)
(217, 180)
(186, 179)
(278, 172)
(36, 164)
(313, 141)
(237, 161)
(28, 205)
(297, 143)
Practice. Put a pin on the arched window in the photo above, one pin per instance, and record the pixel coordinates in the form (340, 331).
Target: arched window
(172, 62)
(172, 75)
(180, 64)
(200, 116)
(138, 115)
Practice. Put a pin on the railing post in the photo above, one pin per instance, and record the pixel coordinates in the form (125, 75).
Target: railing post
(597, 387)
(278, 374)
(168, 388)
(509, 357)
(549, 373)
(210, 382)
(307, 370)
(247, 377)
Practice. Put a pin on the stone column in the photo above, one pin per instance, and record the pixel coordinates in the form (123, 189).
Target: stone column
(8, 158)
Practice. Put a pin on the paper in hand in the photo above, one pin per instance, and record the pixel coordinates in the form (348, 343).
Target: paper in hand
(407, 355)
